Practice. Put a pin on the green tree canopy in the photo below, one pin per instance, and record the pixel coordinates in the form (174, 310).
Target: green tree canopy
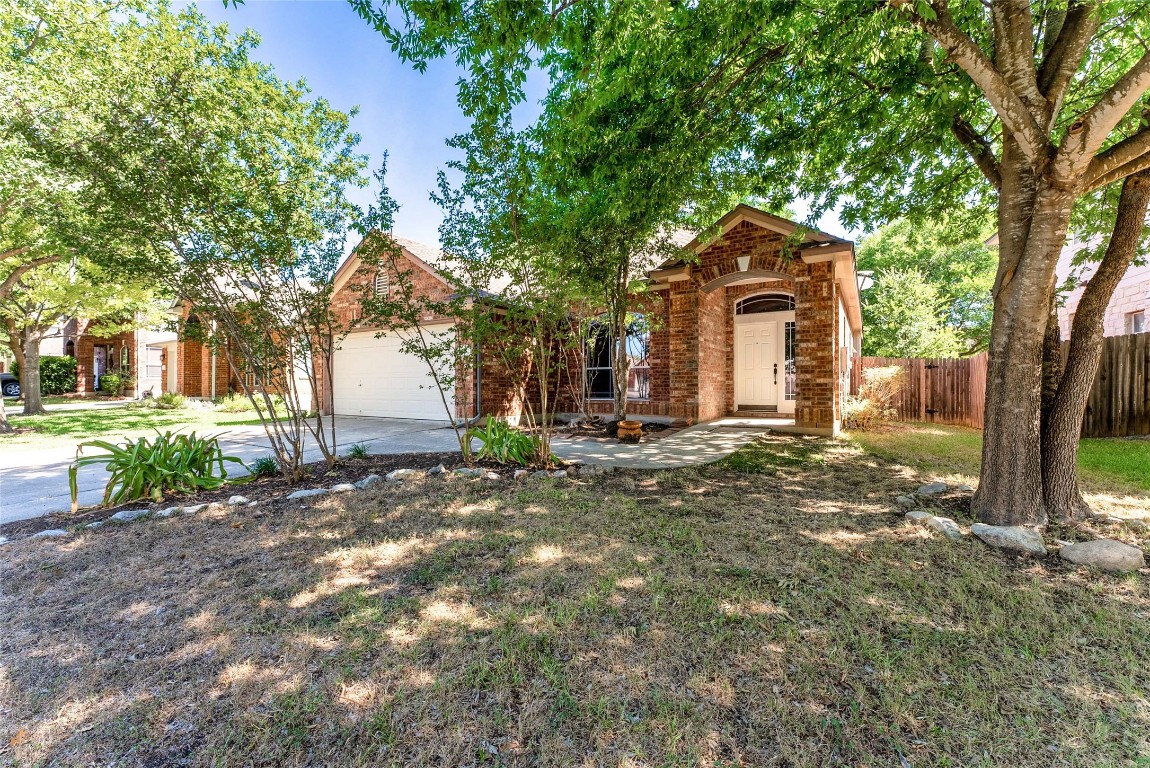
(958, 266)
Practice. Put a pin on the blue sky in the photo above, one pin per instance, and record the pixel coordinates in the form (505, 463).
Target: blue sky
(403, 112)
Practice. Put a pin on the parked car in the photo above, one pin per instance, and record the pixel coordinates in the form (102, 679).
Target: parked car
(9, 385)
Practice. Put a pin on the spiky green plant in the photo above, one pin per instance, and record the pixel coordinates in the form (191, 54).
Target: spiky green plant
(499, 442)
(358, 451)
(147, 469)
(264, 466)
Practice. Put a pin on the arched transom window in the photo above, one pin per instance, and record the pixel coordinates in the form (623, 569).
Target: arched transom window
(765, 302)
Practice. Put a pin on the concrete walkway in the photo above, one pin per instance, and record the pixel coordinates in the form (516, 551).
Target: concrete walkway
(701, 444)
(35, 483)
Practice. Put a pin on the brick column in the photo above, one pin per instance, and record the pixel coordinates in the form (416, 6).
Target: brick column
(683, 349)
(815, 365)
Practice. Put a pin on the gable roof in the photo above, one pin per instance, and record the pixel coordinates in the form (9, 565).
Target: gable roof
(429, 258)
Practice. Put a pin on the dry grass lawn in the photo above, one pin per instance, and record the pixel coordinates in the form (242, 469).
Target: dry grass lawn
(772, 610)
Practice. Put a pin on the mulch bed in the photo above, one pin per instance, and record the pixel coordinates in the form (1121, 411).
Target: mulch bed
(605, 431)
(262, 489)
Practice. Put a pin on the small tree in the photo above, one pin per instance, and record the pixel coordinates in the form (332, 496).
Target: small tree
(904, 317)
(390, 301)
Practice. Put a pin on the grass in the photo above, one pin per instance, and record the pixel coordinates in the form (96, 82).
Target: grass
(770, 610)
(1105, 465)
(67, 428)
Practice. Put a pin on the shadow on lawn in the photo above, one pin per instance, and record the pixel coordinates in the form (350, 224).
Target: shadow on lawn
(772, 610)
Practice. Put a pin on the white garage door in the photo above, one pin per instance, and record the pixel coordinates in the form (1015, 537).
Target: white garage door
(372, 377)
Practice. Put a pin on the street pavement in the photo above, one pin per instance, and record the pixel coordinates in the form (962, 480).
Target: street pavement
(35, 482)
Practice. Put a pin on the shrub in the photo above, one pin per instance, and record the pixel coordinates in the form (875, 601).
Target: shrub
(874, 403)
(234, 404)
(169, 401)
(264, 466)
(499, 442)
(357, 451)
(114, 384)
(57, 375)
(147, 469)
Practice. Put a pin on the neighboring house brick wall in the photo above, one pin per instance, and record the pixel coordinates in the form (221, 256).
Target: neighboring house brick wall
(1131, 295)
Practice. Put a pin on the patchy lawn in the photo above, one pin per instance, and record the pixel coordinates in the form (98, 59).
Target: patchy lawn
(771, 610)
(67, 428)
(1114, 472)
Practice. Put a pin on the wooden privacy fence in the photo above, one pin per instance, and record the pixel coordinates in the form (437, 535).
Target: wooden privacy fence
(942, 390)
(952, 391)
(1119, 404)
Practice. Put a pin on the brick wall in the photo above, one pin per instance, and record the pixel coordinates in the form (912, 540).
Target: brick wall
(86, 345)
(701, 327)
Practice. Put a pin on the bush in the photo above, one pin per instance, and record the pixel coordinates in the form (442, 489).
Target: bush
(499, 442)
(114, 384)
(170, 401)
(147, 469)
(57, 375)
(234, 404)
(264, 466)
(874, 404)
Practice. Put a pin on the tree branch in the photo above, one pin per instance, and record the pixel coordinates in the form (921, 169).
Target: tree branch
(1065, 53)
(964, 52)
(20, 270)
(979, 149)
(1126, 151)
(1090, 130)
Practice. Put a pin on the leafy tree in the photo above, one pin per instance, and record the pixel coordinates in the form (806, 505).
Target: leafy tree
(903, 315)
(958, 267)
(44, 296)
(903, 109)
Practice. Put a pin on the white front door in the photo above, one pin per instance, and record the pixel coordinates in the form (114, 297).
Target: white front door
(757, 364)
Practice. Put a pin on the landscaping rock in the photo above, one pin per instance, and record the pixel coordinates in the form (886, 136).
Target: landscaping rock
(235, 501)
(343, 488)
(541, 473)
(438, 469)
(493, 476)
(1013, 537)
(166, 512)
(520, 473)
(396, 475)
(965, 488)
(1107, 554)
(946, 527)
(559, 473)
(308, 493)
(904, 501)
(95, 525)
(368, 481)
(932, 489)
(128, 515)
(918, 516)
(4, 539)
(194, 509)
(253, 504)
(50, 534)
(469, 471)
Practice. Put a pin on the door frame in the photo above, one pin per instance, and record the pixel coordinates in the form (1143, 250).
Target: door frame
(781, 318)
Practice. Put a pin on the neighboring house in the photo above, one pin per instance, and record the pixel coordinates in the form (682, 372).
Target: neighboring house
(138, 353)
(762, 319)
(1129, 307)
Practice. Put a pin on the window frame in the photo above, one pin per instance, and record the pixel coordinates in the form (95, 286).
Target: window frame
(1133, 319)
(598, 329)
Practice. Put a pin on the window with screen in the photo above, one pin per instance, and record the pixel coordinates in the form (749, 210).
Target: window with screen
(600, 356)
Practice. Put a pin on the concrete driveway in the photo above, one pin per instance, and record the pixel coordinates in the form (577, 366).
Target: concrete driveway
(35, 483)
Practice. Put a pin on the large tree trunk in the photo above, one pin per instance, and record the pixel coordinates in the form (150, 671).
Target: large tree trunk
(1063, 425)
(30, 375)
(1033, 217)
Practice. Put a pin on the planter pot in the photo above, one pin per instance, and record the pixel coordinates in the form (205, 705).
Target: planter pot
(630, 431)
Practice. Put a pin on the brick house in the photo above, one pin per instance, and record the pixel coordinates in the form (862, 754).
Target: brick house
(761, 318)
(1129, 307)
